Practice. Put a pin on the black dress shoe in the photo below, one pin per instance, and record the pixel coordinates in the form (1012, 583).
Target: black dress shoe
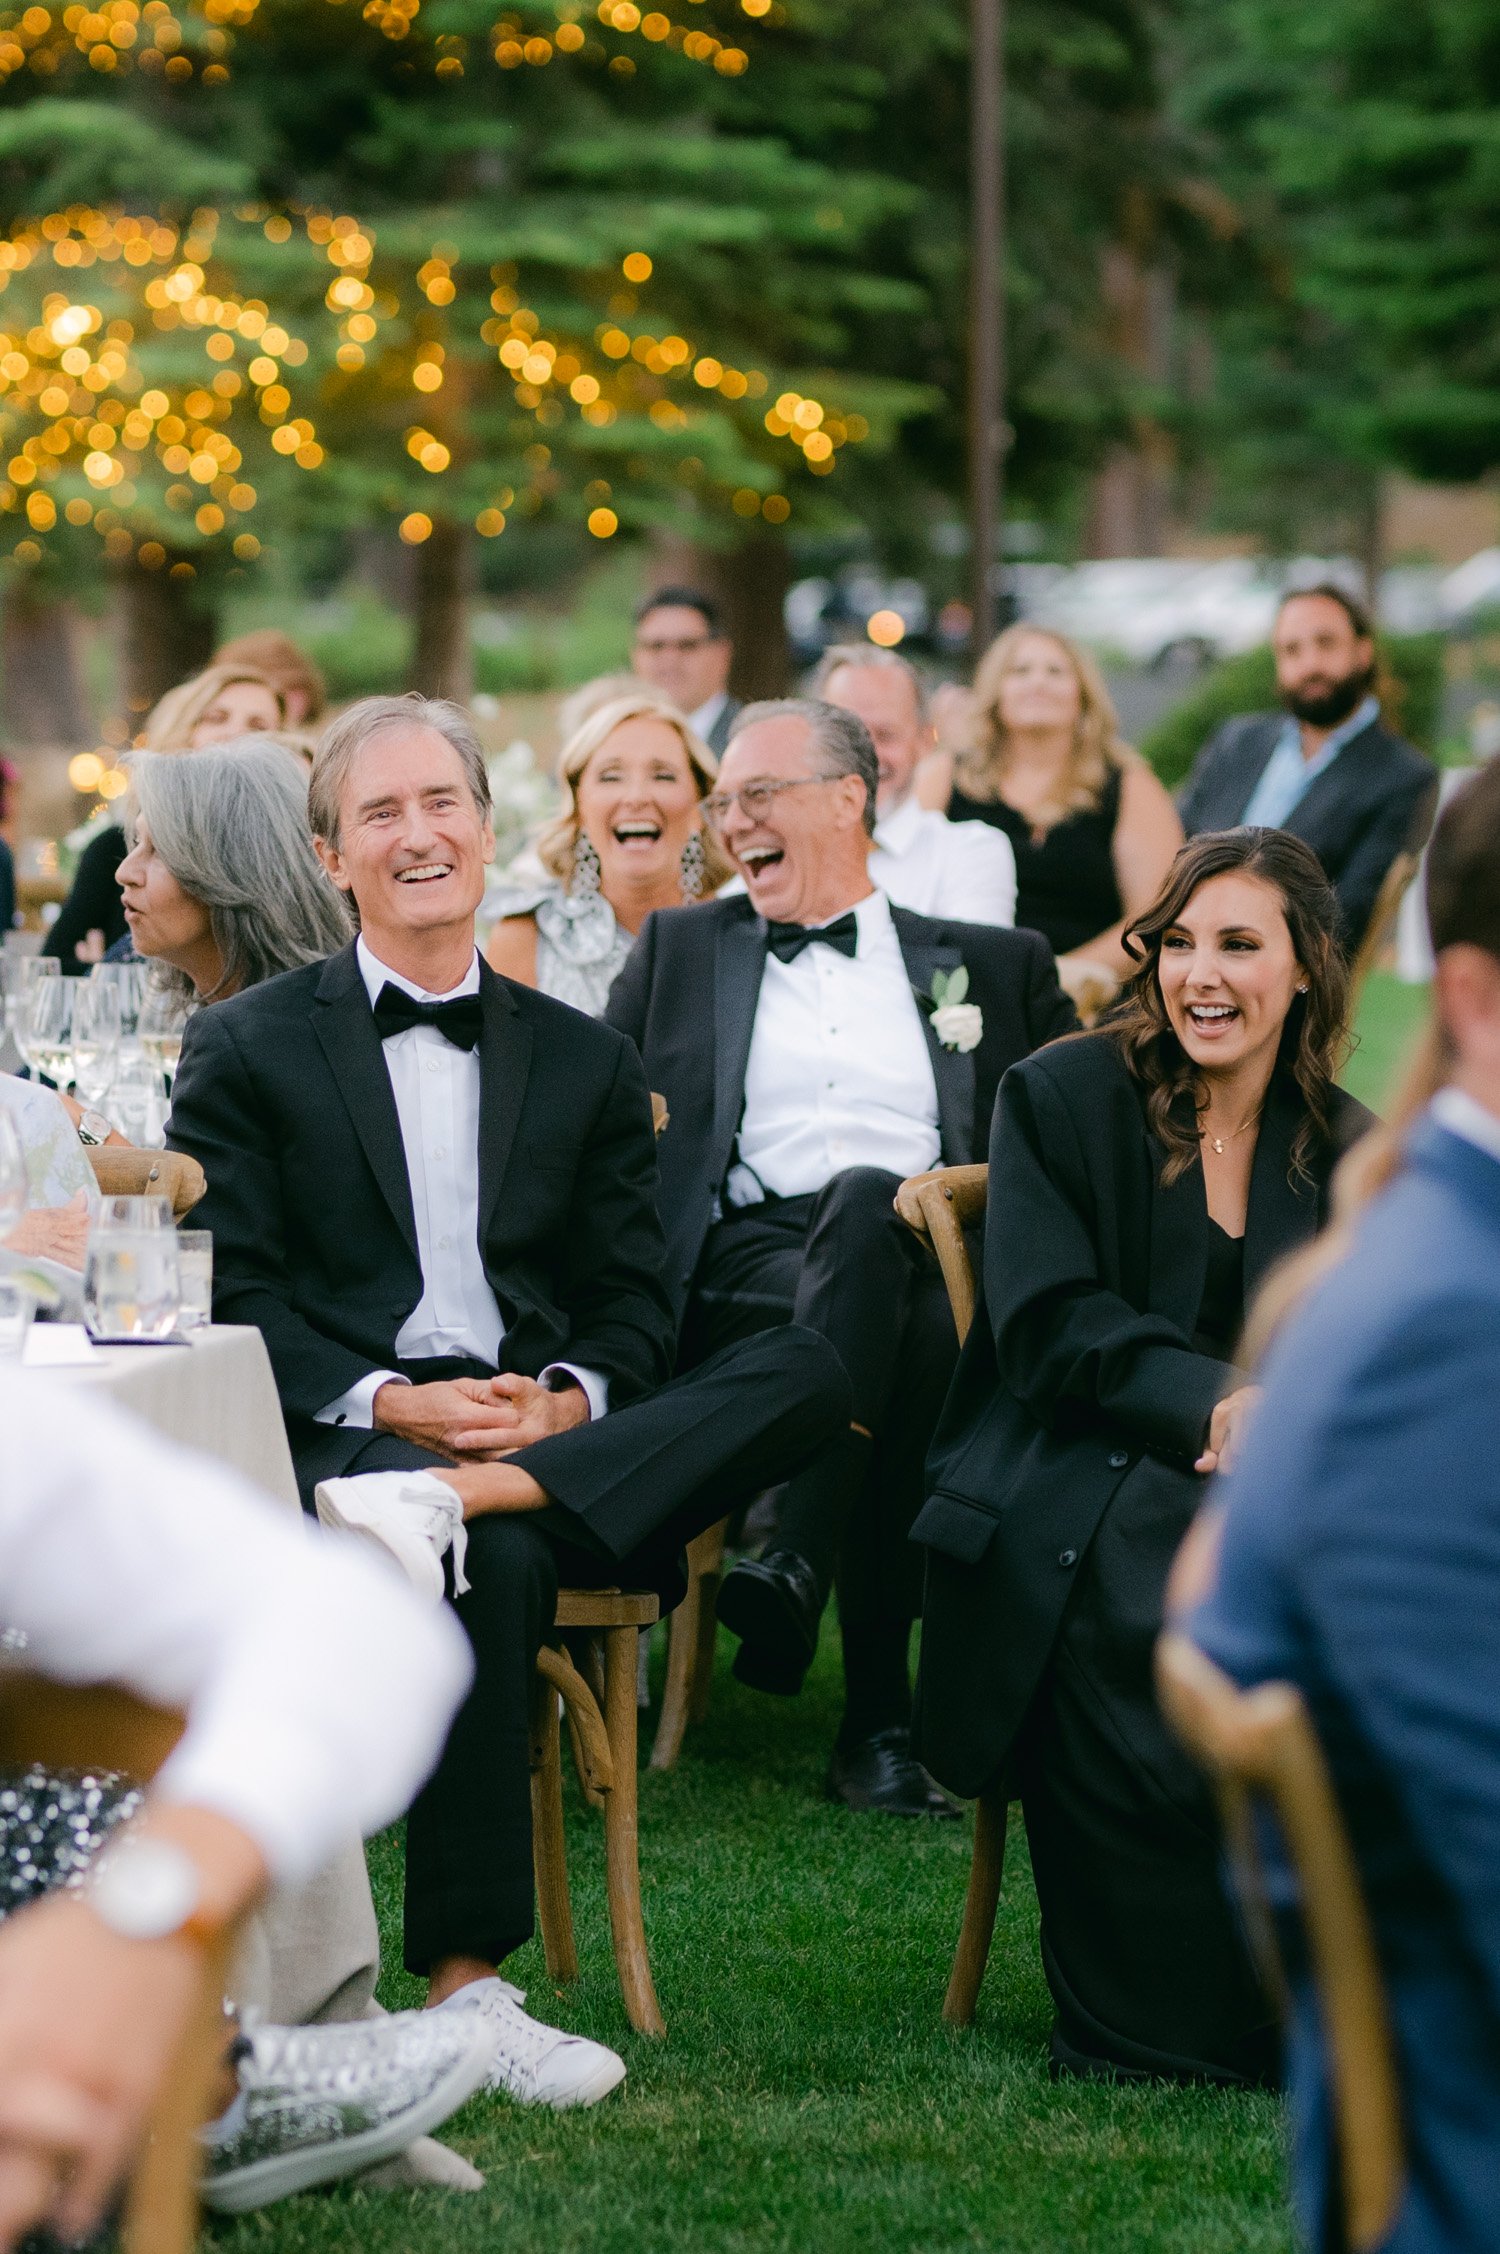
(882, 1775)
(773, 1604)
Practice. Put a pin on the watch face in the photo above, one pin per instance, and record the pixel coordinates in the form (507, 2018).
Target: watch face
(145, 1889)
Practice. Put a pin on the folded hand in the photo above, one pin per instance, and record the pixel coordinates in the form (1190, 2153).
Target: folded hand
(471, 1419)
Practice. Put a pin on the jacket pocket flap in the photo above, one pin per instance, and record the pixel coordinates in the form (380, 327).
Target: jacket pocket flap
(955, 1526)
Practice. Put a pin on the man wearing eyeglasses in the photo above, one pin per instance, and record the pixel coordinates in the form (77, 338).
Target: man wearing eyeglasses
(813, 1052)
(681, 648)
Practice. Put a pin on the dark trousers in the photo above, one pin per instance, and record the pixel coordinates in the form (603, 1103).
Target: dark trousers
(843, 1263)
(1143, 1950)
(627, 1493)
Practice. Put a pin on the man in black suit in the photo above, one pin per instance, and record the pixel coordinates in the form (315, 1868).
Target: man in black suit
(433, 1192)
(682, 649)
(1326, 769)
(815, 1046)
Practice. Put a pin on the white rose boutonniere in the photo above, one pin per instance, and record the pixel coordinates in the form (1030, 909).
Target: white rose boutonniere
(958, 1024)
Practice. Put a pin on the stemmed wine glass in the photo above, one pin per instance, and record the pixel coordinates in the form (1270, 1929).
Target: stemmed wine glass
(18, 975)
(159, 1029)
(96, 1037)
(44, 1036)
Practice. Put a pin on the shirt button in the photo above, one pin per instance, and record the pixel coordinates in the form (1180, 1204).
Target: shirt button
(1119, 1459)
(445, 1244)
(1067, 1557)
(432, 1065)
(438, 1151)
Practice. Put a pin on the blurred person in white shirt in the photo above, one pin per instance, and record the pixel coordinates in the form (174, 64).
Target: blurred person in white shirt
(317, 1691)
(921, 860)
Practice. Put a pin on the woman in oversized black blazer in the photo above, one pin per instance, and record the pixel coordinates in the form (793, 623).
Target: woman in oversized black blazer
(1094, 1392)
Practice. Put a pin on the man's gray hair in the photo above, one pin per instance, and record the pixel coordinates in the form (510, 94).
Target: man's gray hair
(230, 823)
(863, 654)
(840, 739)
(352, 730)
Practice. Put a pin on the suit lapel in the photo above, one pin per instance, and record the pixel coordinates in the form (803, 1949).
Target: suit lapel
(1179, 1241)
(739, 962)
(1281, 1214)
(345, 1028)
(1245, 780)
(504, 1068)
(952, 1069)
(1329, 793)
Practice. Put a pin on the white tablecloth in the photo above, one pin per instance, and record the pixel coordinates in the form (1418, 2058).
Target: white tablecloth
(216, 1394)
(313, 1951)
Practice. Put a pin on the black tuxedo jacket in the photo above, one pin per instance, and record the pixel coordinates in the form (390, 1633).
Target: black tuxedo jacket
(284, 1099)
(1079, 1394)
(1376, 800)
(687, 998)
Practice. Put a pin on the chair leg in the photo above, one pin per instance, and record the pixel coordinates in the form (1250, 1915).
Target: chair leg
(549, 1852)
(980, 1904)
(690, 1648)
(161, 2201)
(621, 1846)
(676, 1697)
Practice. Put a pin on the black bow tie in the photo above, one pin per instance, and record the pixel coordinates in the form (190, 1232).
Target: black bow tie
(460, 1021)
(786, 941)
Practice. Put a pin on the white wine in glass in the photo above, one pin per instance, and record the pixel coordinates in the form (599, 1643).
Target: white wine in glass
(159, 1031)
(46, 1035)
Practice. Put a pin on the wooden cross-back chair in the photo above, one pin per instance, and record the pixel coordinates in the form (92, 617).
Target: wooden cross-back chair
(599, 1703)
(1260, 1745)
(60, 1726)
(939, 1207)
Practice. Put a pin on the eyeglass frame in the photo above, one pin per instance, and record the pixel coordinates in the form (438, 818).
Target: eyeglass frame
(715, 808)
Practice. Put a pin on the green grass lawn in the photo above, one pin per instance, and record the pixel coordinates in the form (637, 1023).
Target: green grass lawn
(808, 2095)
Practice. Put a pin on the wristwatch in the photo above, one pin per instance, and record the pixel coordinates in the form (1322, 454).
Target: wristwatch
(93, 1128)
(148, 1890)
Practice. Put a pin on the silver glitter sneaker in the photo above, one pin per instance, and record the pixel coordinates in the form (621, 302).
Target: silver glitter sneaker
(318, 2103)
(531, 2062)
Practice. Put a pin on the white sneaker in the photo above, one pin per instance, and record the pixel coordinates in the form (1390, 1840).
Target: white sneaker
(537, 2065)
(413, 1516)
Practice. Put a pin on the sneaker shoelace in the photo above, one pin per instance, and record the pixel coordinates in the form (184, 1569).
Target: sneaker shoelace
(443, 1524)
(523, 2042)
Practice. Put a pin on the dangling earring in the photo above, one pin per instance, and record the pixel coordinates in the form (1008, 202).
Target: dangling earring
(693, 867)
(586, 869)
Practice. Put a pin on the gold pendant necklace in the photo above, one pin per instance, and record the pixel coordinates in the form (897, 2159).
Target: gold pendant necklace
(1220, 1143)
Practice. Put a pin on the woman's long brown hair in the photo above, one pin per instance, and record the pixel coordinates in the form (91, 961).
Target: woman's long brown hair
(1314, 1038)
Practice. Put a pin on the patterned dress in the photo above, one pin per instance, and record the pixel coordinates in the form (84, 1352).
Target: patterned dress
(580, 949)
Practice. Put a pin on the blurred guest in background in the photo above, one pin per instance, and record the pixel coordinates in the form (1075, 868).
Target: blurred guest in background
(632, 839)
(921, 860)
(221, 886)
(1142, 1180)
(1092, 829)
(1326, 768)
(1355, 1553)
(227, 700)
(681, 648)
(291, 672)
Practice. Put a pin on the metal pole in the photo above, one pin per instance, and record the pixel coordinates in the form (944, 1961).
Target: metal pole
(987, 429)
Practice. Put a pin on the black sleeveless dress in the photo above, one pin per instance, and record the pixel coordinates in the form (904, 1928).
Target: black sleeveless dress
(1065, 884)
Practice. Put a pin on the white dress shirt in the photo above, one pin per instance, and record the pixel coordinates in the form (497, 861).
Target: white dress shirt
(318, 1687)
(436, 1087)
(935, 867)
(1288, 776)
(704, 719)
(839, 1072)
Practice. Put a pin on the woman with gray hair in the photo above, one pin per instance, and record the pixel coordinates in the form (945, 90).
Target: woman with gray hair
(221, 884)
